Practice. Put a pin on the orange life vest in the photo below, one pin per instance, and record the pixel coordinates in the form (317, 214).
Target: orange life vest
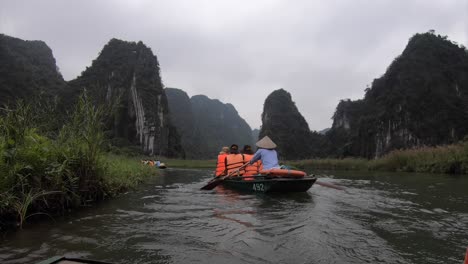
(253, 169)
(221, 165)
(234, 162)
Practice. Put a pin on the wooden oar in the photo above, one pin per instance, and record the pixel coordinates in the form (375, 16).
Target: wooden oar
(218, 180)
(329, 185)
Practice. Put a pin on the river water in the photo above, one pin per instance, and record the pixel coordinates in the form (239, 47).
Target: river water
(378, 218)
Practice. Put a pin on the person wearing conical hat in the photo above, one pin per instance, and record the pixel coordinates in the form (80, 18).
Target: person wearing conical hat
(266, 153)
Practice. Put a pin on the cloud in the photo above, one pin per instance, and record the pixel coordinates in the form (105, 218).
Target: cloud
(240, 51)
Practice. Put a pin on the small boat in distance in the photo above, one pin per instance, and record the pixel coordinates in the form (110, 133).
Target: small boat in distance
(162, 166)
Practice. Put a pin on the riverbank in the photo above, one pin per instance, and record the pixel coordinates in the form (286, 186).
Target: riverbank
(450, 159)
(197, 164)
(47, 171)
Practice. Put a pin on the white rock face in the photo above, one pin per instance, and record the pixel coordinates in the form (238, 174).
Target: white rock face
(145, 131)
(343, 122)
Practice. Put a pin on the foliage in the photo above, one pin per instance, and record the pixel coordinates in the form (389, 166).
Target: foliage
(27, 70)
(41, 174)
(450, 159)
(283, 123)
(130, 71)
(421, 100)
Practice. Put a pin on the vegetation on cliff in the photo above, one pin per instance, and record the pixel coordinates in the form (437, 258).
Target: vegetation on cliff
(129, 72)
(421, 100)
(284, 124)
(27, 70)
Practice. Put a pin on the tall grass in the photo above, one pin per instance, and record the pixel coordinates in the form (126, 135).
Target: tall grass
(42, 173)
(450, 159)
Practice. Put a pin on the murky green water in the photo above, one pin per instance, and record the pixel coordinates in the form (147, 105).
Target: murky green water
(379, 218)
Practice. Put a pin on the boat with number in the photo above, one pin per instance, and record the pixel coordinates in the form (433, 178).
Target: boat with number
(269, 183)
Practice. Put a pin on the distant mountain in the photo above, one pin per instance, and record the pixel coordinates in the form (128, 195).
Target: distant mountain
(324, 131)
(217, 125)
(181, 115)
(255, 134)
(206, 124)
(284, 124)
(129, 71)
(421, 100)
(27, 70)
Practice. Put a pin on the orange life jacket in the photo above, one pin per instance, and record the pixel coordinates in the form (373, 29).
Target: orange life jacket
(253, 169)
(234, 162)
(221, 165)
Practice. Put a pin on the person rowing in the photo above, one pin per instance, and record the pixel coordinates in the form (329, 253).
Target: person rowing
(266, 153)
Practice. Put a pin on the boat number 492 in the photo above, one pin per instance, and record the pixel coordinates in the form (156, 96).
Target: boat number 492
(258, 187)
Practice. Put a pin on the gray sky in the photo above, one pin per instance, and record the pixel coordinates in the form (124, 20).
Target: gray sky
(240, 51)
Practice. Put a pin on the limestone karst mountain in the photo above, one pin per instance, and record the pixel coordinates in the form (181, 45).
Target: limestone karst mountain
(206, 124)
(421, 100)
(284, 124)
(27, 70)
(129, 71)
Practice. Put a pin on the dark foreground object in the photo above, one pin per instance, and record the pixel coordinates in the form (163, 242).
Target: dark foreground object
(64, 260)
(268, 184)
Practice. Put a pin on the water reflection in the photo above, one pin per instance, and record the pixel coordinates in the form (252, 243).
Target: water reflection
(378, 219)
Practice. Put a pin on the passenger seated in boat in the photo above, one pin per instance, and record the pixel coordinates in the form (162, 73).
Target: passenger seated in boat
(234, 160)
(253, 169)
(221, 163)
(266, 153)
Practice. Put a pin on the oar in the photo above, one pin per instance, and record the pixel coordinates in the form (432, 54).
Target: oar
(218, 180)
(324, 184)
(329, 185)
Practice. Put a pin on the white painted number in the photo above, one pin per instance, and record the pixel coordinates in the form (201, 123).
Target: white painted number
(258, 187)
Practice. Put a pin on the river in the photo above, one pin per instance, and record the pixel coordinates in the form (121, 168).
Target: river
(378, 218)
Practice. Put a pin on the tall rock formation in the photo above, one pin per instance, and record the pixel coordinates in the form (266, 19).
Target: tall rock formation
(181, 115)
(255, 135)
(217, 125)
(129, 71)
(421, 100)
(283, 123)
(27, 70)
(205, 124)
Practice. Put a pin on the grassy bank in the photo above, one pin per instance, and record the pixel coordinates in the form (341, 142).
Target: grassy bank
(199, 164)
(451, 159)
(46, 171)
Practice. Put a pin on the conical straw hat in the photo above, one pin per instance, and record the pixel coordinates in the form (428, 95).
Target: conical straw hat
(266, 143)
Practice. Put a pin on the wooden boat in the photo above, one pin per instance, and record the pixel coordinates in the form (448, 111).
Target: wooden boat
(65, 260)
(267, 184)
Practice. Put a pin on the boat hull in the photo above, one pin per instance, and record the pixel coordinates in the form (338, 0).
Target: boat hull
(269, 185)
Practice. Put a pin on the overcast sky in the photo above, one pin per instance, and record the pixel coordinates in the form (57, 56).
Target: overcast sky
(240, 51)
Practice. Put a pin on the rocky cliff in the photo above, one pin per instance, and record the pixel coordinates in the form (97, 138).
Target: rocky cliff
(128, 72)
(206, 124)
(27, 70)
(421, 100)
(181, 115)
(284, 124)
(217, 125)
(255, 134)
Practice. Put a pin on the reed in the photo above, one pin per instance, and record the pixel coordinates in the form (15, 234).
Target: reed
(46, 173)
(449, 159)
